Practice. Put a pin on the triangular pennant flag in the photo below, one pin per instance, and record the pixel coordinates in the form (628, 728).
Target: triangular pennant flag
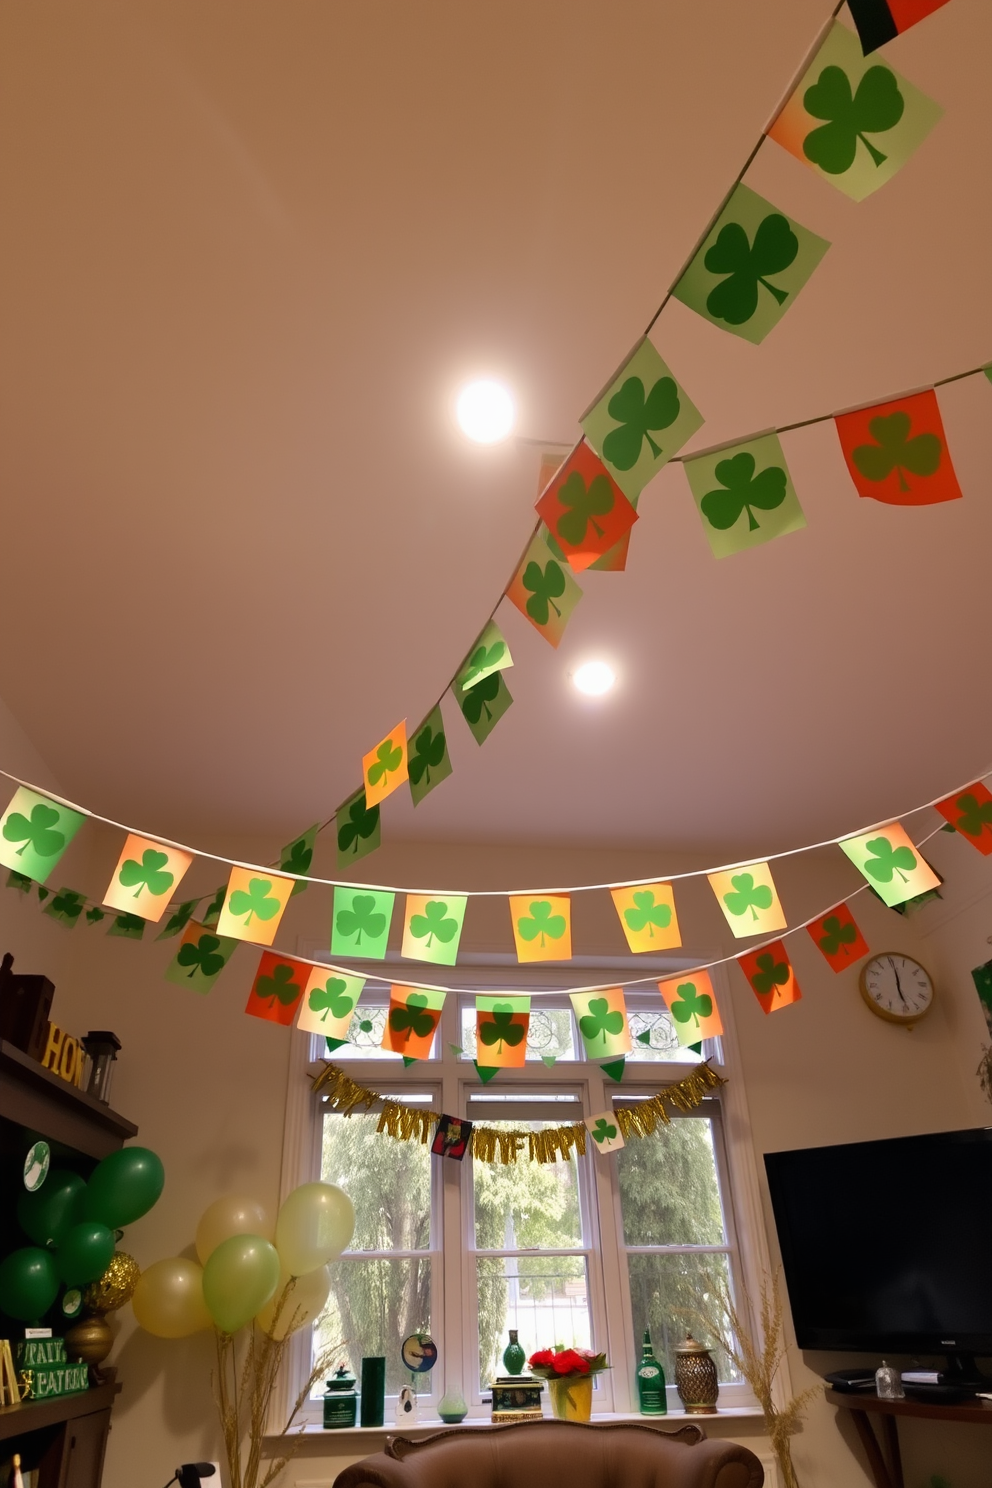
(647, 916)
(692, 1003)
(602, 1020)
(19, 881)
(384, 768)
(605, 1132)
(837, 937)
(432, 927)
(357, 829)
(585, 509)
(329, 1002)
(878, 21)
(749, 900)
(770, 974)
(178, 920)
(486, 1072)
(641, 420)
(501, 1024)
(855, 123)
(550, 1060)
(483, 705)
(297, 856)
(890, 863)
(360, 922)
(408, 1060)
(255, 903)
(750, 268)
(43, 893)
(66, 907)
(147, 872)
(489, 654)
(970, 813)
(277, 988)
(414, 1013)
(35, 832)
(200, 959)
(745, 495)
(429, 761)
(542, 928)
(544, 590)
(614, 1069)
(333, 1043)
(897, 452)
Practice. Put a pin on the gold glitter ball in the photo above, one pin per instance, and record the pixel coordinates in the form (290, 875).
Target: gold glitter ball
(116, 1285)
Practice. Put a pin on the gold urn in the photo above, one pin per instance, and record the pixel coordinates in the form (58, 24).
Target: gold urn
(695, 1377)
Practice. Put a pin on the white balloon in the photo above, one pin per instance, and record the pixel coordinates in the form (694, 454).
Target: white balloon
(231, 1214)
(315, 1224)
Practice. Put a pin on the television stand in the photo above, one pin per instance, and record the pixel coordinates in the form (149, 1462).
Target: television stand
(886, 1466)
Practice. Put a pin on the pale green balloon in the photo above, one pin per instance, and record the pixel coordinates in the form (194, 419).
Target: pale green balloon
(238, 1279)
(315, 1224)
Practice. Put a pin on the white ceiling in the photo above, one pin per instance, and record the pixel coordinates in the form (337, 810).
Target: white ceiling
(249, 252)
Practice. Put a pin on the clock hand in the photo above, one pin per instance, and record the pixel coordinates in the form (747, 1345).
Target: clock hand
(898, 983)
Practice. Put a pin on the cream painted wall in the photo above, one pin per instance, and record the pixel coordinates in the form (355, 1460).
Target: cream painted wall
(207, 1085)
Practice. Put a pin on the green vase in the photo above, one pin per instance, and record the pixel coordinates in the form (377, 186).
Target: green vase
(514, 1357)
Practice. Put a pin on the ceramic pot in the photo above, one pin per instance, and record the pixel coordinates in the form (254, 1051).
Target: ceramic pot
(571, 1398)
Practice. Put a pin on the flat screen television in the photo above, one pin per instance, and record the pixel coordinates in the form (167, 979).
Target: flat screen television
(887, 1246)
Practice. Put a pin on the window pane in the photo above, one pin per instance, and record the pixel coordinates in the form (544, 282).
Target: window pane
(365, 1035)
(374, 1305)
(526, 1205)
(388, 1182)
(549, 1033)
(544, 1298)
(669, 1193)
(665, 1291)
(655, 1041)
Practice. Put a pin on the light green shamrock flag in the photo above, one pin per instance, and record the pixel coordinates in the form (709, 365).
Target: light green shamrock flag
(35, 832)
(357, 829)
(605, 1132)
(360, 922)
(642, 419)
(432, 927)
(428, 760)
(754, 262)
(744, 494)
(200, 959)
(483, 704)
(888, 859)
(329, 1002)
(489, 654)
(297, 856)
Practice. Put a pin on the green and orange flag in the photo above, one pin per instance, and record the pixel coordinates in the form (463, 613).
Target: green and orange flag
(643, 418)
(544, 590)
(329, 1002)
(970, 813)
(692, 1003)
(602, 1020)
(751, 267)
(890, 863)
(432, 927)
(584, 509)
(146, 876)
(837, 937)
(254, 905)
(501, 1024)
(744, 494)
(647, 915)
(879, 21)
(771, 977)
(897, 452)
(542, 926)
(414, 1013)
(384, 768)
(35, 832)
(853, 122)
(749, 900)
(277, 989)
(200, 958)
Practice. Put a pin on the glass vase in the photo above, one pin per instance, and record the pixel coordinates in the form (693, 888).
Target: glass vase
(571, 1397)
(514, 1357)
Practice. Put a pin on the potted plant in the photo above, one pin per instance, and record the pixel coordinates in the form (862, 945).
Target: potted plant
(569, 1373)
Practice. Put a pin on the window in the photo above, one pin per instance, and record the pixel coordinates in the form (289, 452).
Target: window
(589, 1252)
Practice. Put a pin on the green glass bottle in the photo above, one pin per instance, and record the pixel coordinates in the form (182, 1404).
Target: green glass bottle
(514, 1357)
(651, 1382)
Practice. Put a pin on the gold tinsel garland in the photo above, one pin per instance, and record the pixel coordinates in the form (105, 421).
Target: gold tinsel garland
(408, 1124)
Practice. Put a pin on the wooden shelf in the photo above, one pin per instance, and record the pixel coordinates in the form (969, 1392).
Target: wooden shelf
(34, 1098)
(34, 1415)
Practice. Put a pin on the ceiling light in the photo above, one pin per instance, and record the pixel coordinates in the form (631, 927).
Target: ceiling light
(485, 411)
(594, 678)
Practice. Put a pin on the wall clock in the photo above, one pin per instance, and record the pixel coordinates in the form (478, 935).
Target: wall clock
(897, 988)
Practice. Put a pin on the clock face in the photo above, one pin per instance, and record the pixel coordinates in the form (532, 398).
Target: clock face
(897, 987)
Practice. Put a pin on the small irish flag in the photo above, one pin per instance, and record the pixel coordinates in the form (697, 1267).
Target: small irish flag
(879, 20)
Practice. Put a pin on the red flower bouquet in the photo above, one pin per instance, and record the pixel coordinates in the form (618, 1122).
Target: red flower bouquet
(566, 1363)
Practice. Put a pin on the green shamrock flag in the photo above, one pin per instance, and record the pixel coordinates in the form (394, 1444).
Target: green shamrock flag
(489, 654)
(127, 926)
(66, 907)
(432, 927)
(329, 1003)
(754, 262)
(297, 856)
(483, 704)
(19, 881)
(890, 863)
(602, 1020)
(744, 494)
(360, 922)
(543, 588)
(429, 761)
(501, 1024)
(200, 959)
(178, 920)
(605, 1132)
(852, 120)
(642, 419)
(357, 830)
(35, 832)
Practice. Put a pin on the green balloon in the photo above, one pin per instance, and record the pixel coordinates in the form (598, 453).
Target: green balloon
(240, 1276)
(51, 1210)
(28, 1284)
(84, 1253)
(123, 1187)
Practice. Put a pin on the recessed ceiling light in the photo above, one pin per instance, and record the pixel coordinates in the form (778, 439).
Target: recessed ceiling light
(594, 678)
(485, 411)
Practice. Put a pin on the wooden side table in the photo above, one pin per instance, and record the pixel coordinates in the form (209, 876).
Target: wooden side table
(888, 1473)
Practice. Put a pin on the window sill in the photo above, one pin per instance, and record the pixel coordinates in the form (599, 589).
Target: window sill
(313, 1433)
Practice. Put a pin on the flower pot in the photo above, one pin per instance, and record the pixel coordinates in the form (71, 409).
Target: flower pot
(571, 1397)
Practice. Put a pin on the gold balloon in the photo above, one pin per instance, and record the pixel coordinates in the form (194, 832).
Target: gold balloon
(116, 1285)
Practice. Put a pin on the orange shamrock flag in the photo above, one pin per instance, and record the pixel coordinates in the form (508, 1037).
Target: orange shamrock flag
(897, 452)
(970, 813)
(542, 927)
(146, 877)
(692, 1003)
(647, 915)
(837, 937)
(277, 988)
(385, 767)
(771, 976)
(414, 1013)
(584, 509)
